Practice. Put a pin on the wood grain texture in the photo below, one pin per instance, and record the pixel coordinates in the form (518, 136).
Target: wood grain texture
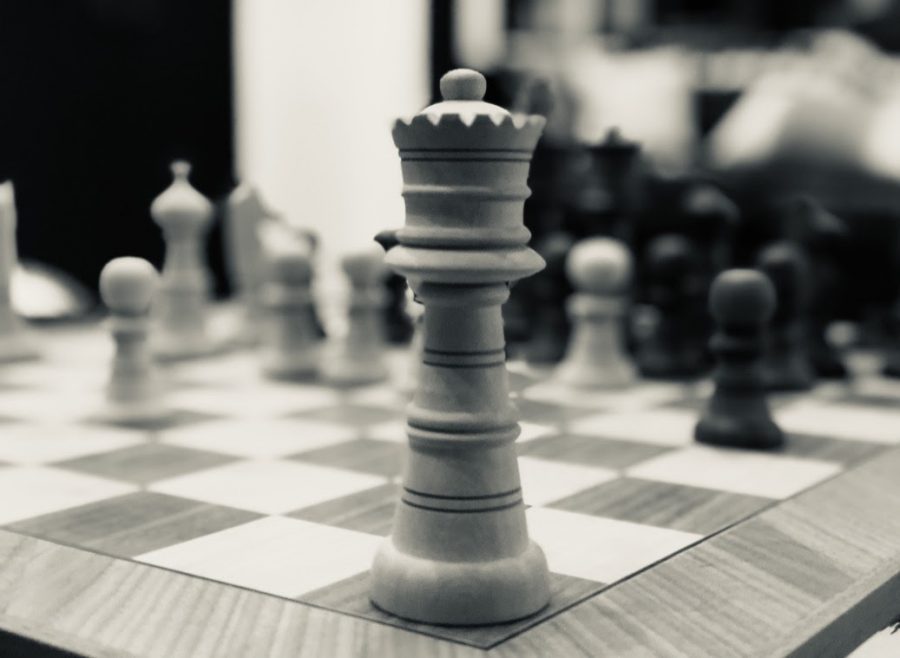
(371, 510)
(663, 504)
(750, 590)
(812, 576)
(132, 524)
(609, 453)
(352, 596)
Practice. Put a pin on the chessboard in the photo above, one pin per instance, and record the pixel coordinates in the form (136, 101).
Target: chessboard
(266, 500)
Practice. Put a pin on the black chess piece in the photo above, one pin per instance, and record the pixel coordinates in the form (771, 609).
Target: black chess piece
(786, 365)
(741, 302)
(675, 345)
(398, 324)
(616, 161)
(891, 367)
(546, 211)
(554, 183)
(548, 291)
(823, 236)
(606, 181)
(711, 219)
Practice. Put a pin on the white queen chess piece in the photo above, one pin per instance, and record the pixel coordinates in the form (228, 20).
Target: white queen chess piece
(460, 551)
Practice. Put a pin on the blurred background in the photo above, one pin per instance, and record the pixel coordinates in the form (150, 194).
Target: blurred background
(645, 99)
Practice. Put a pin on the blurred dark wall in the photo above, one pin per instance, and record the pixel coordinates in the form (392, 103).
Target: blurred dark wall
(98, 96)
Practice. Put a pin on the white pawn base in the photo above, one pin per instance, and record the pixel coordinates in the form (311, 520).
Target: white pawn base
(344, 371)
(595, 357)
(290, 366)
(179, 348)
(607, 375)
(135, 413)
(460, 593)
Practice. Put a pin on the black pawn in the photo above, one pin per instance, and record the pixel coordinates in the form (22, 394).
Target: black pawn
(710, 218)
(787, 365)
(549, 290)
(824, 237)
(675, 347)
(741, 302)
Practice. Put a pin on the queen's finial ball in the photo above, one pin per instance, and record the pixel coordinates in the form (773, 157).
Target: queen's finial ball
(463, 85)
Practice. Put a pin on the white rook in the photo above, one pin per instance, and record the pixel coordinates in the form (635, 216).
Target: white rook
(460, 551)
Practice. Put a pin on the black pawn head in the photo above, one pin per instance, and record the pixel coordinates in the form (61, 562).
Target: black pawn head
(742, 298)
(673, 268)
(708, 212)
(670, 257)
(809, 223)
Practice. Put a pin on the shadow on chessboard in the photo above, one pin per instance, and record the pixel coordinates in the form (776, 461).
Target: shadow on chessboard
(13, 646)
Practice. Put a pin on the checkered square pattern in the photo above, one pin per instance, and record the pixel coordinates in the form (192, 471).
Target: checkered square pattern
(278, 555)
(145, 463)
(260, 439)
(133, 523)
(663, 427)
(606, 550)
(43, 443)
(267, 486)
(29, 491)
(288, 488)
(771, 476)
(842, 420)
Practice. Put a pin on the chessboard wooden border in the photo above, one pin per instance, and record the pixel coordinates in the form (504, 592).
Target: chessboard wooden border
(812, 576)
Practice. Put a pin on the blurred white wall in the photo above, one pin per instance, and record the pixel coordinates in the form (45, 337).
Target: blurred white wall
(318, 84)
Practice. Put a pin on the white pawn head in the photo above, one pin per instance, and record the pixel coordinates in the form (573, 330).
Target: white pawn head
(127, 285)
(599, 266)
(365, 267)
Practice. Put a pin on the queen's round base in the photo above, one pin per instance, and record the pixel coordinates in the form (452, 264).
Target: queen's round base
(460, 593)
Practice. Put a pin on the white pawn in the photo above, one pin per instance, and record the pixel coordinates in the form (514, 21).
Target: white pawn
(600, 271)
(184, 216)
(289, 339)
(360, 357)
(127, 286)
(15, 344)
